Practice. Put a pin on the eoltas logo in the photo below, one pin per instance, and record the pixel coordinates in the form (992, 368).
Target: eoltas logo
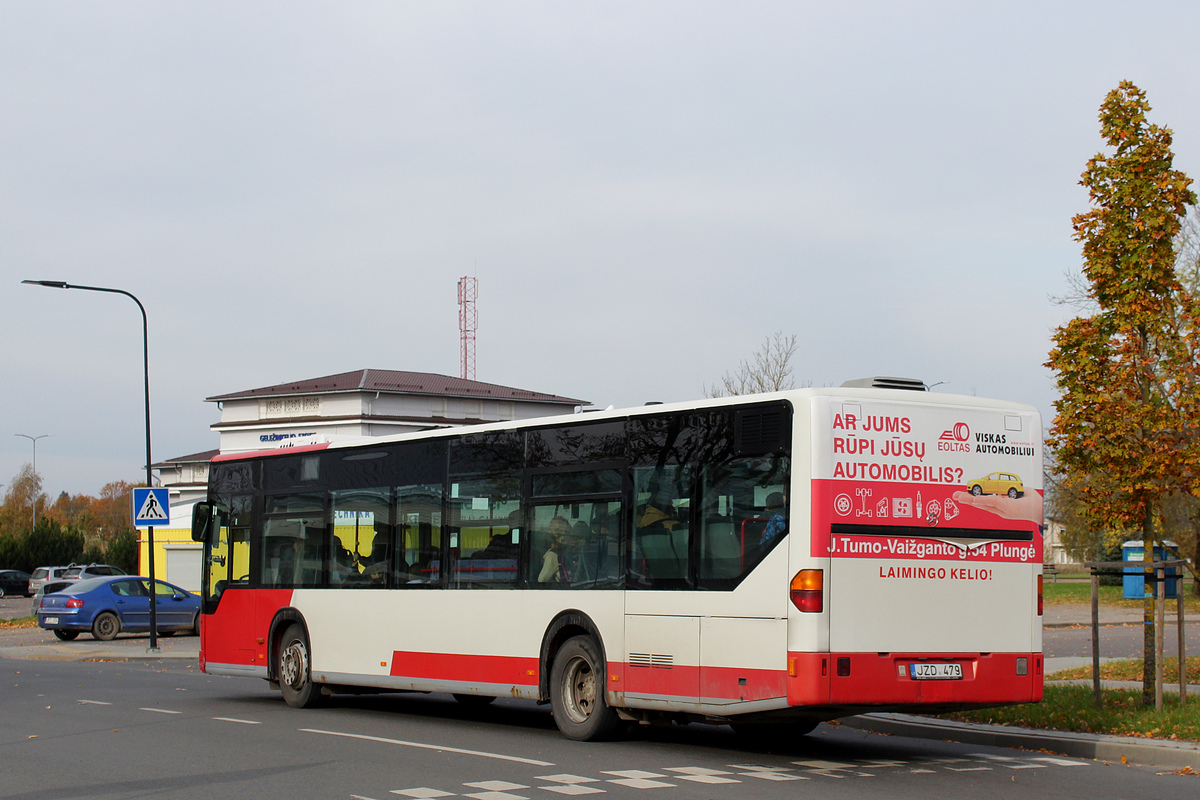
(955, 439)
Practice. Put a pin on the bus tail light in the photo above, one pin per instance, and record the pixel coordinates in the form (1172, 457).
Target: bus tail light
(807, 591)
(1039, 595)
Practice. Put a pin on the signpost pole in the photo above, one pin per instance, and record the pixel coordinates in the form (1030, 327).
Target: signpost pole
(149, 462)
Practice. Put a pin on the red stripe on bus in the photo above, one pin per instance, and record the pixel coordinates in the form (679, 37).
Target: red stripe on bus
(876, 679)
(506, 670)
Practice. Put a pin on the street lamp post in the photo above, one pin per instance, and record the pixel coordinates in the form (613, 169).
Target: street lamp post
(34, 440)
(149, 461)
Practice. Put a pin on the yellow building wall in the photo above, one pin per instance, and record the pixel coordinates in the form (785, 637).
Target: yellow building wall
(164, 538)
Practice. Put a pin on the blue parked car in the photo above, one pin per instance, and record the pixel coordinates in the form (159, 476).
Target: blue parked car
(107, 606)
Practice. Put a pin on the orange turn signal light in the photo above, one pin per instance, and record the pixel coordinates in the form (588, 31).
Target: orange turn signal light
(807, 591)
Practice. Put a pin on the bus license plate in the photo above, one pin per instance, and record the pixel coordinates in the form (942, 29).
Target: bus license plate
(922, 671)
(51, 620)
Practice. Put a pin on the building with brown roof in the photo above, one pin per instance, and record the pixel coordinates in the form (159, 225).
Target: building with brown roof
(370, 402)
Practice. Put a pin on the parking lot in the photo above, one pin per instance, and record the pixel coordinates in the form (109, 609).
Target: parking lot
(13, 606)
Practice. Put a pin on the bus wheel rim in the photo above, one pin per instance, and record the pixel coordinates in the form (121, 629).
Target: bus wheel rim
(579, 681)
(293, 665)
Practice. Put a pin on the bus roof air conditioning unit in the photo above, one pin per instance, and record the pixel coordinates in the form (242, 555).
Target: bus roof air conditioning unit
(884, 382)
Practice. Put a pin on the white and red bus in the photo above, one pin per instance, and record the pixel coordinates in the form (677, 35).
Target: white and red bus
(774, 560)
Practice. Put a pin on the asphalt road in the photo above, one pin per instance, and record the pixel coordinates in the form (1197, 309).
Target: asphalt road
(161, 729)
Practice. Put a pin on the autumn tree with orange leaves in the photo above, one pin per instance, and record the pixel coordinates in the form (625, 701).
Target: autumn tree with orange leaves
(1129, 413)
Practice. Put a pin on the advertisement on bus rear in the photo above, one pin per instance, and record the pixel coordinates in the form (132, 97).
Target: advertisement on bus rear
(926, 484)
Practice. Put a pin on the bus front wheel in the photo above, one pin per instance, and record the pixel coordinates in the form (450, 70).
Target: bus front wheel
(292, 670)
(577, 692)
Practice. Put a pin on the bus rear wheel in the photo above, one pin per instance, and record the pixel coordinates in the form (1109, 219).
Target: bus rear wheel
(293, 672)
(577, 692)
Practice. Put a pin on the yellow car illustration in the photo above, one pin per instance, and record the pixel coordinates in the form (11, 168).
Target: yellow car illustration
(997, 483)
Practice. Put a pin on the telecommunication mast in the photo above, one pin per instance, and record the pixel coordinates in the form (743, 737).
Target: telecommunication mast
(468, 320)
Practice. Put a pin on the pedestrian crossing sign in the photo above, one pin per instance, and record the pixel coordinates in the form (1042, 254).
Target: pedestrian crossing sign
(151, 507)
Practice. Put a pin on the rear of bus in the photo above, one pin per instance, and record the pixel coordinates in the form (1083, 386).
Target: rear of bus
(920, 586)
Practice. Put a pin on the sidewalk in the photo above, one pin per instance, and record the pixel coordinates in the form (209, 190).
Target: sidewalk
(42, 645)
(1069, 615)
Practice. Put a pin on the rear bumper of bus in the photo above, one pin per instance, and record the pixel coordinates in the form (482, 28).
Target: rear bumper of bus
(889, 679)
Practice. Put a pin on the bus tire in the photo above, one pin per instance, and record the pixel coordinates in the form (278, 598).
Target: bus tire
(577, 692)
(293, 670)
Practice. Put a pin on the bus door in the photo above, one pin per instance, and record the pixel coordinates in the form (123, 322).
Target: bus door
(662, 624)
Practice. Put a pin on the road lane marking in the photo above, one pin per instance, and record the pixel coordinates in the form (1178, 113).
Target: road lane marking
(566, 777)
(234, 719)
(438, 747)
(1008, 761)
(824, 765)
(572, 789)
(93, 703)
(569, 784)
(767, 773)
(160, 711)
(1062, 762)
(638, 779)
(701, 775)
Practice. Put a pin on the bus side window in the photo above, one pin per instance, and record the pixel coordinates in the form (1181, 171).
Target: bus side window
(293, 552)
(660, 554)
(418, 555)
(743, 516)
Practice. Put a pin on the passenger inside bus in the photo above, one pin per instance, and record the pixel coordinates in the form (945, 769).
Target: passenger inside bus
(505, 544)
(777, 524)
(341, 565)
(376, 564)
(554, 567)
(662, 540)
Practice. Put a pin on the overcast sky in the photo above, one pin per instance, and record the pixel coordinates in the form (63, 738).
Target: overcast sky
(645, 190)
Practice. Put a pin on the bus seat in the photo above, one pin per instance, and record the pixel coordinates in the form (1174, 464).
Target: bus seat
(722, 550)
(662, 558)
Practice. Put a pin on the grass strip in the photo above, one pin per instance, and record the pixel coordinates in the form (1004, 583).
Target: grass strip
(1065, 592)
(1072, 708)
(19, 622)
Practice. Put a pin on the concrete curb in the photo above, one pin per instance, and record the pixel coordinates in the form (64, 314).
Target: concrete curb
(1146, 752)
